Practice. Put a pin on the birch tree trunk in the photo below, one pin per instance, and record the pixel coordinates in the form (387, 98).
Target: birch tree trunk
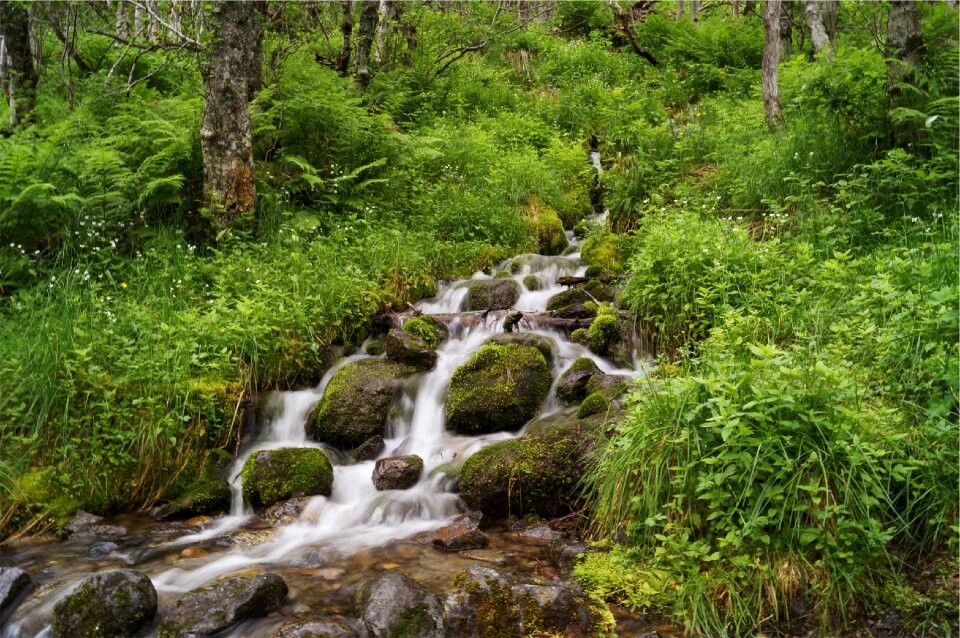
(369, 16)
(818, 34)
(905, 43)
(20, 76)
(681, 8)
(736, 8)
(829, 12)
(695, 11)
(786, 28)
(231, 78)
(771, 58)
(346, 29)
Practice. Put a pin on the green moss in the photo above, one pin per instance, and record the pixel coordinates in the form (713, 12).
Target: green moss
(605, 250)
(603, 331)
(375, 346)
(499, 388)
(591, 308)
(581, 336)
(431, 330)
(534, 282)
(413, 622)
(274, 475)
(593, 404)
(502, 274)
(546, 225)
(575, 205)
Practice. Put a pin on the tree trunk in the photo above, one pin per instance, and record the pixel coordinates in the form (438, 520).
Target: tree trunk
(695, 11)
(736, 8)
(681, 8)
(20, 78)
(786, 28)
(369, 16)
(905, 45)
(829, 12)
(231, 78)
(771, 58)
(410, 31)
(346, 28)
(818, 34)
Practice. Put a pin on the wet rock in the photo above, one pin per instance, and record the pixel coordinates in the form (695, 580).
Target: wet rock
(608, 384)
(201, 498)
(82, 520)
(530, 262)
(499, 294)
(462, 534)
(559, 609)
(545, 345)
(285, 512)
(572, 386)
(246, 539)
(357, 402)
(100, 531)
(534, 283)
(369, 449)
(397, 472)
(269, 476)
(533, 474)
(193, 552)
(397, 606)
(214, 608)
(479, 604)
(110, 604)
(539, 536)
(595, 403)
(562, 553)
(375, 346)
(13, 583)
(428, 328)
(500, 388)
(574, 311)
(593, 290)
(99, 550)
(329, 627)
(410, 350)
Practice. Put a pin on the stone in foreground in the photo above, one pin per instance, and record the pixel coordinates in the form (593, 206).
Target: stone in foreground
(214, 608)
(396, 606)
(397, 472)
(112, 604)
(462, 534)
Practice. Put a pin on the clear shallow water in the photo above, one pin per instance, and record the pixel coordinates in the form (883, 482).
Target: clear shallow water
(337, 541)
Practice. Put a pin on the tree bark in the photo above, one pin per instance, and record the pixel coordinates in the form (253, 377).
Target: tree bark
(905, 46)
(346, 29)
(695, 11)
(369, 17)
(829, 12)
(736, 8)
(818, 34)
(771, 58)
(20, 80)
(681, 8)
(231, 78)
(786, 28)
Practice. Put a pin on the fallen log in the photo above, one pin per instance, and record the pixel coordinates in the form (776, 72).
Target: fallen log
(513, 317)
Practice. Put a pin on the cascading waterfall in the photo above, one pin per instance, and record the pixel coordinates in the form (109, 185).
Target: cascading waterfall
(356, 515)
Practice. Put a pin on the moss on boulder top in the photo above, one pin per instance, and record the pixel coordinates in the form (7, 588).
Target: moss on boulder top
(500, 388)
(591, 291)
(572, 387)
(110, 604)
(546, 225)
(492, 294)
(269, 476)
(357, 402)
(428, 328)
(605, 250)
(546, 345)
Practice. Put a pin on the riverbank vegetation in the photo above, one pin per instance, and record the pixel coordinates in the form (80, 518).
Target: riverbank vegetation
(794, 455)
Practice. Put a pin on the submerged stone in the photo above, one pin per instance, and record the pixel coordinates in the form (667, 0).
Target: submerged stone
(269, 476)
(216, 607)
(500, 388)
(462, 534)
(396, 606)
(357, 402)
(410, 350)
(112, 604)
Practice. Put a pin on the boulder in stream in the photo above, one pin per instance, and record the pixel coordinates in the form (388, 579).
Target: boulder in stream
(397, 472)
(546, 225)
(572, 386)
(409, 349)
(357, 402)
(326, 627)
(13, 583)
(593, 290)
(500, 388)
(214, 608)
(533, 474)
(396, 606)
(269, 476)
(492, 294)
(544, 344)
(285, 512)
(428, 328)
(462, 534)
(110, 604)
(369, 449)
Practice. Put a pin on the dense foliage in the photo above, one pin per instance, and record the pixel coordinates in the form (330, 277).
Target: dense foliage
(793, 455)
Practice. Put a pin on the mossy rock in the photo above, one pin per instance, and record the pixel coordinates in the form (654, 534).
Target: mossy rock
(603, 332)
(203, 496)
(535, 474)
(533, 283)
(502, 274)
(528, 263)
(581, 336)
(593, 404)
(591, 291)
(357, 402)
(547, 227)
(605, 250)
(575, 206)
(480, 604)
(501, 387)
(546, 345)
(409, 349)
(572, 386)
(392, 605)
(376, 346)
(369, 449)
(428, 328)
(269, 476)
(112, 604)
(610, 385)
(397, 472)
(491, 294)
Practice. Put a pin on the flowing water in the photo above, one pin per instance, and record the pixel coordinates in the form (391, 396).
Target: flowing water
(337, 541)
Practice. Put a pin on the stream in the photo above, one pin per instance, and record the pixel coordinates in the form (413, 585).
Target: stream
(336, 542)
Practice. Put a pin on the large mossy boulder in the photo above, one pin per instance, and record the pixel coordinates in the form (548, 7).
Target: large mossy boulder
(500, 388)
(357, 402)
(572, 386)
(606, 250)
(397, 472)
(546, 345)
(536, 474)
(591, 291)
(269, 476)
(211, 609)
(546, 226)
(428, 328)
(111, 604)
(394, 605)
(491, 294)
(409, 349)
